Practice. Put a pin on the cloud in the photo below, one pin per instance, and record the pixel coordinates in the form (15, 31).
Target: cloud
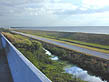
(59, 11)
(33, 7)
(50, 7)
(95, 4)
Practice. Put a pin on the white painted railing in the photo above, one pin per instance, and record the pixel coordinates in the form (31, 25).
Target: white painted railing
(22, 69)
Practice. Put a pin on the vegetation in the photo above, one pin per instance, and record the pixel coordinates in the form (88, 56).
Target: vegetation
(97, 42)
(102, 39)
(4, 30)
(33, 50)
(94, 65)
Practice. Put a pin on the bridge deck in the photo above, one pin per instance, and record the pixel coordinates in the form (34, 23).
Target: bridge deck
(5, 75)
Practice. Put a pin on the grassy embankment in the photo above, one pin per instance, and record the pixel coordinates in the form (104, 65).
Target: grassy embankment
(33, 50)
(97, 42)
(94, 65)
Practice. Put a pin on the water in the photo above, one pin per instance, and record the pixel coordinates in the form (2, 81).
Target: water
(85, 29)
(82, 74)
(76, 71)
(52, 56)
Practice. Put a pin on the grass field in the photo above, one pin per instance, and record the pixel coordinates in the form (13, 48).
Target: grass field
(33, 51)
(60, 37)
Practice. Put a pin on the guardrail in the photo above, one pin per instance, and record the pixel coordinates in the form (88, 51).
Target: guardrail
(21, 68)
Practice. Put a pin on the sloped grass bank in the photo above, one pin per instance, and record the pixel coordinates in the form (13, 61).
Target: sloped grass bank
(97, 42)
(94, 65)
(33, 50)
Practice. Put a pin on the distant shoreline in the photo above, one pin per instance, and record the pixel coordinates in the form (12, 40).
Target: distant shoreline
(80, 29)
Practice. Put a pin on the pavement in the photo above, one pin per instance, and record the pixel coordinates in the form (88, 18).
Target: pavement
(5, 74)
(68, 46)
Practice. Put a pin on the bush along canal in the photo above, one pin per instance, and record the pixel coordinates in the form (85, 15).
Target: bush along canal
(34, 52)
(63, 65)
(75, 70)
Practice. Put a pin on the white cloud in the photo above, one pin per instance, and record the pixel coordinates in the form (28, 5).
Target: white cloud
(50, 7)
(95, 4)
(54, 8)
(83, 8)
(63, 6)
(91, 10)
(95, 15)
(35, 7)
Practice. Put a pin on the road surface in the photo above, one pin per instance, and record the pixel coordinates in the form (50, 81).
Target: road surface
(83, 50)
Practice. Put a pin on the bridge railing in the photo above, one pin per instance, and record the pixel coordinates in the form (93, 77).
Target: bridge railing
(21, 68)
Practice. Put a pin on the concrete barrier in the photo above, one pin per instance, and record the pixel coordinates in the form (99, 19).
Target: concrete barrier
(22, 69)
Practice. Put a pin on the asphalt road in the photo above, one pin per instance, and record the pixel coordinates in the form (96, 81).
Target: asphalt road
(83, 50)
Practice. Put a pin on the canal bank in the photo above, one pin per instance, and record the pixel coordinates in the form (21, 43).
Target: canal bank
(86, 62)
(76, 71)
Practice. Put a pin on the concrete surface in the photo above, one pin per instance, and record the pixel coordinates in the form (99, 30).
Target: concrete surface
(80, 49)
(21, 68)
(5, 75)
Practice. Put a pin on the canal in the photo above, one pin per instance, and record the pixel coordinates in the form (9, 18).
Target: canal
(75, 70)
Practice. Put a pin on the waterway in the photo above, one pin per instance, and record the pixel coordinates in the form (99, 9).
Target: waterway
(75, 70)
(84, 29)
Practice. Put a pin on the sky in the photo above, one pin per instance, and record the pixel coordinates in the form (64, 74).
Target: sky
(54, 13)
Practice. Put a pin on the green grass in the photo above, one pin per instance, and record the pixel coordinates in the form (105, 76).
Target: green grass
(33, 50)
(90, 44)
(53, 69)
(82, 46)
(55, 35)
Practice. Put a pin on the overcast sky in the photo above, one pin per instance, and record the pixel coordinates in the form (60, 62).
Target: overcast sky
(54, 12)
